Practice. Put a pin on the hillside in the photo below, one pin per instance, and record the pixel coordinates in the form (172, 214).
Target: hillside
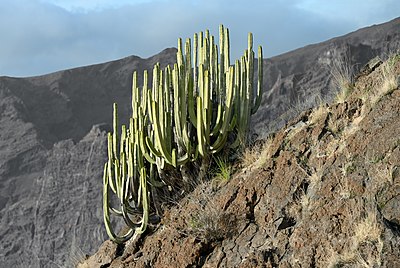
(53, 138)
(324, 191)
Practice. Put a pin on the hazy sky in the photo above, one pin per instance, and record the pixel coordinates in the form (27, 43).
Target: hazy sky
(43, 36)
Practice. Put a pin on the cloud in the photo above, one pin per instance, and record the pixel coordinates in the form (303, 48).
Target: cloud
(356, 12)
(79, 6)
(42, 36)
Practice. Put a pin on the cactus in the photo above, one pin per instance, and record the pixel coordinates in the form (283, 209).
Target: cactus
(123, 167)
(190, 113)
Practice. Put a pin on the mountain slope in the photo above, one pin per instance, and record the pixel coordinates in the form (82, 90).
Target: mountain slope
(322, 192)
(52, 149)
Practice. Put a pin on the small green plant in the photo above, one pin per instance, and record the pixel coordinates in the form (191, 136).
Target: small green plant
(349, 168)
(376, 159)
(224, 169)
(396, 144)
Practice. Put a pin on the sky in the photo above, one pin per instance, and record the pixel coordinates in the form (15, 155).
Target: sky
(43, 36)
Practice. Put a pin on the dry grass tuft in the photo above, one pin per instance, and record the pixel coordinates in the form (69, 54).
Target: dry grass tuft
(265, 154)
(384, 173)
(366, 248)
(318, 114)
(250, 155)
(77, 257)
(209, 222)
(367, 240)
(388, 80)
(256, 156)
(315, 179)
(305, 205)
(309, 197)
(342, 78)
(367, 230)
(334, 126)
(346, 170)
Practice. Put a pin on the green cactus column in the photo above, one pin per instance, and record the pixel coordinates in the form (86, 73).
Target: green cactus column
(194, 109)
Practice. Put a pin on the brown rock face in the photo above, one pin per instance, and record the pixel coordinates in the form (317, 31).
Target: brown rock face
(323, 192)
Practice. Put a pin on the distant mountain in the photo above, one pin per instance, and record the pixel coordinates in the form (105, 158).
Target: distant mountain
(52, 138)
(52, 149)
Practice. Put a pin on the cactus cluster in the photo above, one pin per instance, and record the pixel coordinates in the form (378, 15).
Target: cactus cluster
(188, 114)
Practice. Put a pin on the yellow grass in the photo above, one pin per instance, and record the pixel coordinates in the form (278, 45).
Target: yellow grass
(342, 78)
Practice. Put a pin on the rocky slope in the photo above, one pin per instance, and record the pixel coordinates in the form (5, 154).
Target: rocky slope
(52, 135)
(322, 192)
